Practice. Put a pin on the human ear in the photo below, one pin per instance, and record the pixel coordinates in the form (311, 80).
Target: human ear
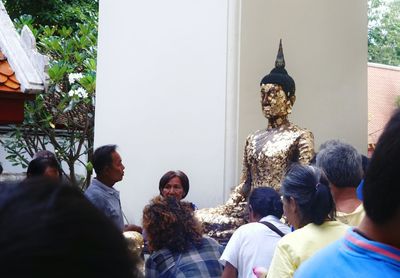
(292, 204)
(292, 99)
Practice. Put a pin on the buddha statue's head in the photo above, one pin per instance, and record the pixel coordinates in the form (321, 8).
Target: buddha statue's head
(277, 90)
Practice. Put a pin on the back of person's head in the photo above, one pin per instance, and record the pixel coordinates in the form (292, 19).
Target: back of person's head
(381, 186)
(38, 166)
(50, 230)
(170, 224)
(102, 157)
(342, 164)
(309, 188)
(329, 143)
(172, 174)
(365, 164)
(324, 145)
(44, 153)
(266, 201)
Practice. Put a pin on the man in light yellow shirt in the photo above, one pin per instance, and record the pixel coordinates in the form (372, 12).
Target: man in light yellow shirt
(342, 165)
(352, 218)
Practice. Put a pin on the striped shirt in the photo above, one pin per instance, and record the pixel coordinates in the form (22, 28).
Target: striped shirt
(353, 256)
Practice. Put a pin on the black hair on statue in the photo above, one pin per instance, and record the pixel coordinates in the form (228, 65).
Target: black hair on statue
(279, 75)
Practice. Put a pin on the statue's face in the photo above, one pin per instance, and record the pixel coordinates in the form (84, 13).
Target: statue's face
(274, 101)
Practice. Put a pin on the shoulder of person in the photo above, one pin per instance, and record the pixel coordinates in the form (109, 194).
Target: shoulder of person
(162, 256)
(161, 261)
(210, 240)
(206, 240)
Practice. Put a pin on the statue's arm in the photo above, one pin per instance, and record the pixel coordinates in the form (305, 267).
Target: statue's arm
(306, 147)
(245, 176)
(240, 192)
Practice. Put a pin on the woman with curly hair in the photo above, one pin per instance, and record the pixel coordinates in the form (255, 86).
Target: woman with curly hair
(175, 241)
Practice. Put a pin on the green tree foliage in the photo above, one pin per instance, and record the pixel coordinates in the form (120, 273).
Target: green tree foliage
(52, 12)
(383, 32)
(63, 116)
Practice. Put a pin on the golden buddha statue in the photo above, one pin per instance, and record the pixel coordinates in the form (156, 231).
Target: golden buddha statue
(267, 153)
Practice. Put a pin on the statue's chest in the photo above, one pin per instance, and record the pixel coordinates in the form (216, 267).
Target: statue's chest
(272, 146)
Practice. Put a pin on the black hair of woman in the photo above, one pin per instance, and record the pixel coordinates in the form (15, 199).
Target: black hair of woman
(309, 188)
(168, 176)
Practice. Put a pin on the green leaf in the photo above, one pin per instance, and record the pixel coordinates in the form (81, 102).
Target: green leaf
(90, 64)
(88, 82)
(65, 31)
(89, 167)
(57, 72)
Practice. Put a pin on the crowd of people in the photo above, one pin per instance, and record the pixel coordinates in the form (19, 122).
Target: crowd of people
(49, 227)
(46, 222)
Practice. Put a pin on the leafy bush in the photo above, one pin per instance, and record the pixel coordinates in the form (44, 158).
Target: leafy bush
(62, 117)
(52, 12)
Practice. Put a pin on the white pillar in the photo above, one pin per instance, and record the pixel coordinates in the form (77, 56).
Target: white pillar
(161, 95)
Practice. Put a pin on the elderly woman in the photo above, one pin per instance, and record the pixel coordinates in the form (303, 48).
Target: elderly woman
(308, 206)
(175, 241)
(174, 183)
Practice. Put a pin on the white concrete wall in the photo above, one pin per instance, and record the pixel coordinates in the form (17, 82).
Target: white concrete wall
(161, 92)
(177, 89)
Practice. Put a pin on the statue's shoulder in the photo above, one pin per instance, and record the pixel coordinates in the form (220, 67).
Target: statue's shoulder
(302, 131)
(292, 130)
(256, 133)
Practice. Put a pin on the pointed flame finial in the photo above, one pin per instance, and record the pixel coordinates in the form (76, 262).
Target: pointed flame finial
(280, 59)
(279, 75)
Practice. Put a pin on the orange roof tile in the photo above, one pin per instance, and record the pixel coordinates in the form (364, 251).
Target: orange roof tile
(383, 89)
(8, 80)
